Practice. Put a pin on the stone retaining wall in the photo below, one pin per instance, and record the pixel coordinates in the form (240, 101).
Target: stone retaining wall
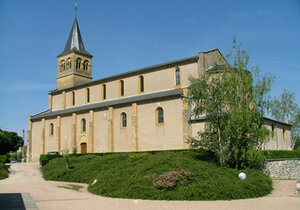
(282, 168)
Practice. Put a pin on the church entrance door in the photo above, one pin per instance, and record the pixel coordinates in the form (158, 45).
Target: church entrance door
(83, 147)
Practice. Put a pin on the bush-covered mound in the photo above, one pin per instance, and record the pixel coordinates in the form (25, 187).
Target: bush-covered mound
(165, 175)
(3, 167)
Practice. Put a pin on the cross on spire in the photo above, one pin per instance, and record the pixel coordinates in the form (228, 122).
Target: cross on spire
(76, 8)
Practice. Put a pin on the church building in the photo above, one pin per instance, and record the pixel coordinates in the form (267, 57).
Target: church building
(139, 110)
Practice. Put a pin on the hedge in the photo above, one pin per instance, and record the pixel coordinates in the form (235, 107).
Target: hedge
(44, 159)
(281, 154)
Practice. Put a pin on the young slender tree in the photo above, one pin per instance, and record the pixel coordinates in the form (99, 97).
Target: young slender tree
(233, 100)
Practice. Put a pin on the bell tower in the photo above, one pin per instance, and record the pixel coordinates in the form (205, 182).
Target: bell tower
(74, 63)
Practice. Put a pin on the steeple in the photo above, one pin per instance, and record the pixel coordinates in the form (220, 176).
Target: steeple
(74, 63)
(74, 42)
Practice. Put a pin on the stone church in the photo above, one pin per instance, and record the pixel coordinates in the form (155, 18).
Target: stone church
(139, 110)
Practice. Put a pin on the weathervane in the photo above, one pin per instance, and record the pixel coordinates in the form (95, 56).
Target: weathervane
(76, 4)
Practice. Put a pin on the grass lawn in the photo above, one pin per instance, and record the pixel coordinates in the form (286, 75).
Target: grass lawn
(126, 175)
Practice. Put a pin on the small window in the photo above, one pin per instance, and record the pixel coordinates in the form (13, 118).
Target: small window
(51, 129)
(123, 120)
(121, 87)
(88, 95)
(160, 115)
(78, 62)
(69, 63)
(63, 65)
(85, 65)
(83, 125)
(73, 98)
(141, 84)
(104, 91)
(177, 76)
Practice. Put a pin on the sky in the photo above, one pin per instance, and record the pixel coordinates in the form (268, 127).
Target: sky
(128, 35)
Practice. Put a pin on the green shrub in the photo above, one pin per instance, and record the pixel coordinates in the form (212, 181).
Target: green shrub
(136, 156)
(3, 159)
(44, 159)
(281, 154)
(122, 175)
(3, 167)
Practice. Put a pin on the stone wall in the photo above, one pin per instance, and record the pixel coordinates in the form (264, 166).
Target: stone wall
(283, 168)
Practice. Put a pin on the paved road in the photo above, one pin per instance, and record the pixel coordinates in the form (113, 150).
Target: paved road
(26, 178)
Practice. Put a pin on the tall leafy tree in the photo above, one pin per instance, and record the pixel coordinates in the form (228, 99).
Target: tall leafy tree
(283, 108)
(233, 100)
(9, 141)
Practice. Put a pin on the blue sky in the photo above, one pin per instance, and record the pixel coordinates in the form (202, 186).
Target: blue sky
(127, 35)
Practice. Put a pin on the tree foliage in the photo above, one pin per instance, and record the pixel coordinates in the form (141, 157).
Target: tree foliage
(9, 141)
(233, 100)
(283, 108)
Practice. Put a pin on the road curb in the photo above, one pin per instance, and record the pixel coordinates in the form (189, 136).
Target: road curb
(29, 202)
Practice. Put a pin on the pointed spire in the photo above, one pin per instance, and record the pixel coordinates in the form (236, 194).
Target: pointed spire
(75, 42)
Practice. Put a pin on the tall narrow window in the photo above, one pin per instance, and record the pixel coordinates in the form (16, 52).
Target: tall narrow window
(123, 120)
(83, 125)
(51, 129)
(69, 63)
(78, 62)
(85, 65)
(88, 95)
(73, 98)
(121, 87)
(177, 76)
(160, 115)
(104, 91)
(141, 84)
(63, 65)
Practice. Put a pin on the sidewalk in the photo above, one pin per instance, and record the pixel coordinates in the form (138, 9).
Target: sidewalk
(26, 178)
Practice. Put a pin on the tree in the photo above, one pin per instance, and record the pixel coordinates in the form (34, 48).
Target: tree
(284, 108)
(233, 101)
(9, 141)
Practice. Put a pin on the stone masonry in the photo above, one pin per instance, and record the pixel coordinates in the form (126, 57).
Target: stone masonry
(283, 168)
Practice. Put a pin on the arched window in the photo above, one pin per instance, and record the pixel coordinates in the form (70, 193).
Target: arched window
(73, 98)
(51, 129)
(83, 125)
(85, 65)
(160, 115)
(103, 91)
(141, 84)
(177, 76)
(123, 120)
(121, 87)
(78, 62)
(88, 95)
(62, 65)
(69, 63)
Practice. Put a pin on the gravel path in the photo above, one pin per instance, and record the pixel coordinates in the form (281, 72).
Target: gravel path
(26, 178)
